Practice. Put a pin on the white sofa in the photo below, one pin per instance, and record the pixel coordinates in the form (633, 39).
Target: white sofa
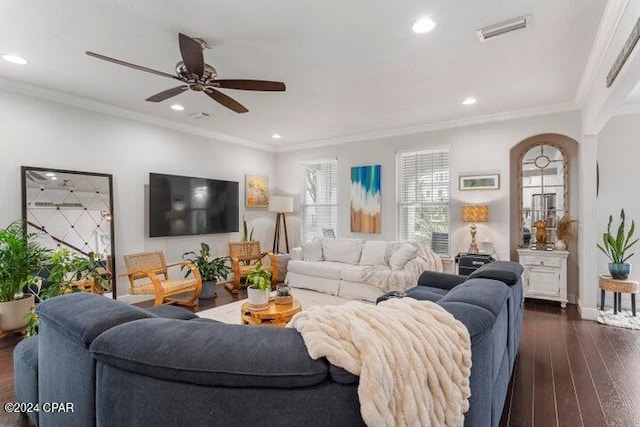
(356, 269)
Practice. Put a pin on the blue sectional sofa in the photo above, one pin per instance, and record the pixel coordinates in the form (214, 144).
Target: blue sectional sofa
(122, 366)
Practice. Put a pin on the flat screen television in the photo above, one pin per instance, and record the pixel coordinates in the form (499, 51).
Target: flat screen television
(182, 205)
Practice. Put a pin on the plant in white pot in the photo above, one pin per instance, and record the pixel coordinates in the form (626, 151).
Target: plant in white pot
(616, 247)
(259, 288)
(211, 269)
(20, 258)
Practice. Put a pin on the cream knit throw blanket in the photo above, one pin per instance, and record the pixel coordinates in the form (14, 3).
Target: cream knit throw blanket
(413, 358)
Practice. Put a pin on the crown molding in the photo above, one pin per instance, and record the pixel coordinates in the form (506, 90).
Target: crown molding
(100, 107)
(613, 12)
(430, 127)
(625, 110)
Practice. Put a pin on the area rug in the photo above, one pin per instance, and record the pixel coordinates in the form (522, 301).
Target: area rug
(230, 313)
(623, 319)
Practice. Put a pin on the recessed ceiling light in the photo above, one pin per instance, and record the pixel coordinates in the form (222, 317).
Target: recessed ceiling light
(49, 174)
(14, 59)
(276, 136)
(53, 178)
(177, 107)
(469, 101)
(424, 25)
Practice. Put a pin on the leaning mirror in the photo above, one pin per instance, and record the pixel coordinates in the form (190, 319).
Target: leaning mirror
(72, 210)
(543, 190)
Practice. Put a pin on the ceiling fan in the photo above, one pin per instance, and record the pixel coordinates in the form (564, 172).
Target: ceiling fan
(196, 75)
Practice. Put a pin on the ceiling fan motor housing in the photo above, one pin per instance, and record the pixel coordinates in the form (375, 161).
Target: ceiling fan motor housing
(209, 73)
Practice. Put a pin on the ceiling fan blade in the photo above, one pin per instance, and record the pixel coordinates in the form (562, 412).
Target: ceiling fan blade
(263, 85)
(191, 52)
(135, 67)
(225, 100)
(36, 175)
(159, 97)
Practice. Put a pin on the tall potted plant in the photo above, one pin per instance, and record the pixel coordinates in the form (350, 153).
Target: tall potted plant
(259, 287)
(20, 258)
(211, 269)
(616, 247)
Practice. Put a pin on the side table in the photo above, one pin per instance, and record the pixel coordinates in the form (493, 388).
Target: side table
(468, 263)
(618, 287)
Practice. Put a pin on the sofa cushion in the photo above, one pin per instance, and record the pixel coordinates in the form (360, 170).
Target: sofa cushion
(82, 316)
(402, 256)
(426, 293)
(312, 251)
(505, 271)
(342, 250)
(353, 273)
(373, 253)
(324, 269)
(486, 293)
(171, 312)
(211, 354)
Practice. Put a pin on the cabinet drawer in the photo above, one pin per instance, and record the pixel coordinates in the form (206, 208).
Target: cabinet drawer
(541, 261)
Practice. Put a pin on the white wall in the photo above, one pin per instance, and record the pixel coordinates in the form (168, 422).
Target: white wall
(618, 156)
(474, 149)
(42, 133)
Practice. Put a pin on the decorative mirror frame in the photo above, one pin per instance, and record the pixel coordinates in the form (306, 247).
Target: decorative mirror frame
(23, 172)
(565, 192)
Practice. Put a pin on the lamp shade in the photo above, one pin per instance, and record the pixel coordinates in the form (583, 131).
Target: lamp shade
(474, 213)
(281, 204)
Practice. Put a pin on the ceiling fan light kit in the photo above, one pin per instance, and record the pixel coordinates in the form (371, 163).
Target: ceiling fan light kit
(198, 76)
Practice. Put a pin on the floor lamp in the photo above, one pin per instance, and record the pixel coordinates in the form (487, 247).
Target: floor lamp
(280, 205)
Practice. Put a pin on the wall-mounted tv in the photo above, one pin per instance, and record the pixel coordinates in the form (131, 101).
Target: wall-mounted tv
(182, 205)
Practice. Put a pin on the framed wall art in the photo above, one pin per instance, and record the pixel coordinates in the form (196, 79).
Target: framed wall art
(256, 190)
(365, 199)
(480, 182)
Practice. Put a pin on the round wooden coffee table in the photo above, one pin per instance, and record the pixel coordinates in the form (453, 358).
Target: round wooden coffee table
(274, 315)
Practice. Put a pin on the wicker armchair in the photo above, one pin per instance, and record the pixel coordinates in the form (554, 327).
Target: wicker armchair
(244, 257)
(144, 271)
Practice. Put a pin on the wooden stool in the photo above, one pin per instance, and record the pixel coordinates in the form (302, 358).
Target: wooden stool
(618, 287)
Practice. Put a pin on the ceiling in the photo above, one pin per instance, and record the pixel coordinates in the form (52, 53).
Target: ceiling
(351, 67)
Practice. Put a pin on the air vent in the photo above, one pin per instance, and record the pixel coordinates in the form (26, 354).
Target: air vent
(200, 115)
(506, 27)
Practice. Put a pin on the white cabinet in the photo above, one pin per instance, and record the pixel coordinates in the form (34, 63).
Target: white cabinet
(545, 274)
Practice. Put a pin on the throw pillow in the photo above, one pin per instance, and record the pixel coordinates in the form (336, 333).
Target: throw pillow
(312, 251)
(342, 250)
(402, 256)
(373, 253)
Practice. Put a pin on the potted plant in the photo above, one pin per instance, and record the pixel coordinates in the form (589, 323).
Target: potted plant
(66, 269)
(616, 247)
(211, 269)
(20, 258)
(259, 288)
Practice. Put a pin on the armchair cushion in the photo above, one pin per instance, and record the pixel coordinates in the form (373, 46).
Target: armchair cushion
(504, 271)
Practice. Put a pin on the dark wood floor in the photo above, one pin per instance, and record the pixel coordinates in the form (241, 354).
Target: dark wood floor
(569, 372)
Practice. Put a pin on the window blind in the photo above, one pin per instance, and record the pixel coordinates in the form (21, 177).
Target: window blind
(423, 198)
(319, 197)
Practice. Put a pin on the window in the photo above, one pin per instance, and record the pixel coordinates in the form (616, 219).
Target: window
(319, 198)
(423, 198)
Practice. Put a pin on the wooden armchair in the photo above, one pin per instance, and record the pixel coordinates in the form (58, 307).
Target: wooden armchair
(144, 271)
(244, 257)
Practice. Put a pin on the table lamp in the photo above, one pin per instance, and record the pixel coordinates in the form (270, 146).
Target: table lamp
(280, 205)
(474, 214)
